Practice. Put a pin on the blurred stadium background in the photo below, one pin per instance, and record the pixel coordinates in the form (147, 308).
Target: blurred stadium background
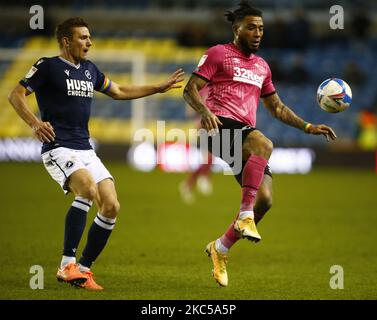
(137, 41)
(143, 41)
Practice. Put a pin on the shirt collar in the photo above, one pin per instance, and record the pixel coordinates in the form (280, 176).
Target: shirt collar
(238, 50)
(70, 63)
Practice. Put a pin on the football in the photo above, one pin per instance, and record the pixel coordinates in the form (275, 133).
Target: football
(334, 95)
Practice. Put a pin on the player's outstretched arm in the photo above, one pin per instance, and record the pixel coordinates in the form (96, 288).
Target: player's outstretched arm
(280, 111)
(127, 92)
(191, 95)
(42, 130)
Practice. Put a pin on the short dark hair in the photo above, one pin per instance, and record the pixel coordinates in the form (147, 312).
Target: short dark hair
(65, 28)
(244, 10)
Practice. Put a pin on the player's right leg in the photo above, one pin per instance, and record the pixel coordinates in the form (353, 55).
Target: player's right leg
(66, 168)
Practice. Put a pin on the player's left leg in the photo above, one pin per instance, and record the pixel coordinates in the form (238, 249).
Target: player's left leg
(100, 230)
(256, 150)
(263, 201)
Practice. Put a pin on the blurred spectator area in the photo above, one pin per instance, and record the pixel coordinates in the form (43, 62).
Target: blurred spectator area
(184, 4)
(163, 35)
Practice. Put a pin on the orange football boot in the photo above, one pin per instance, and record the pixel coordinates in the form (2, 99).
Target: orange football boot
(71, 273)
(90, 284)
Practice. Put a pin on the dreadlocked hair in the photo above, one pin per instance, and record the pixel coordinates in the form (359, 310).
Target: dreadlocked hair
(244, 10)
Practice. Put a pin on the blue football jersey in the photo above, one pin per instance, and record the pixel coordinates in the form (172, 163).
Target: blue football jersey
(64, 92)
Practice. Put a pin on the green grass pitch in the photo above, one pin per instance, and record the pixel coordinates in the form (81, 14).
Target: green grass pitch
(156, 251)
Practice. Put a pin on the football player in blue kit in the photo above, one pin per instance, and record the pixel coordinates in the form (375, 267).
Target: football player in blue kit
(64, 87)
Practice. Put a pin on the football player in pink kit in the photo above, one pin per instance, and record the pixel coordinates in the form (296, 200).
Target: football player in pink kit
(236, 78)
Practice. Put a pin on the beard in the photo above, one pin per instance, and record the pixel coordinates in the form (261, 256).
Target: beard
(246, 47)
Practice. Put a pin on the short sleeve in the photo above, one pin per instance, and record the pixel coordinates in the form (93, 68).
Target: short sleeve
(268, 87)
(210, 63)
(103, 83)
(37, 75)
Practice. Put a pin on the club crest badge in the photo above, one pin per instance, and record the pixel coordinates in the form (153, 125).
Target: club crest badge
(88, 75)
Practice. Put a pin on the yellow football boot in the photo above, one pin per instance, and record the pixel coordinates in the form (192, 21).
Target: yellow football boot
(246, 228)
(219, 261)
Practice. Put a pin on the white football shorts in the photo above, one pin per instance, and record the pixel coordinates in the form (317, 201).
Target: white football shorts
(61, 162)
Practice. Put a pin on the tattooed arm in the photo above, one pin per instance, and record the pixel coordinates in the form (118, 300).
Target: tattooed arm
(280, 111)
(191, 95)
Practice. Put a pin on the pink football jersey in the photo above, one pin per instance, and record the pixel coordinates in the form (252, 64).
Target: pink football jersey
(235, 82)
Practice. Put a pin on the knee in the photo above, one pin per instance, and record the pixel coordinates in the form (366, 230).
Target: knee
(110, 209)
(268, 146)
(88, 191)
(265, 147)
(257, 145)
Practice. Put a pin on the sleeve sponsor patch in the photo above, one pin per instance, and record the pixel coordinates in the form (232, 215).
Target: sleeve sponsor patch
(31, 72)
(202, 60)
